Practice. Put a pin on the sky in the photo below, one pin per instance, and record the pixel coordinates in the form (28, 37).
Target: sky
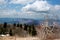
(31, 9)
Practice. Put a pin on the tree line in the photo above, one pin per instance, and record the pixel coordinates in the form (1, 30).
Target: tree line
(29, 28)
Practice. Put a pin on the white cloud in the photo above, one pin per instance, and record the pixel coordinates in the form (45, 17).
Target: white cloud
(33, 10)
(39, 9)
(36, 10)
(37, 6)
(57, 7)
(7, 13)
(21, 1)
(2, 2)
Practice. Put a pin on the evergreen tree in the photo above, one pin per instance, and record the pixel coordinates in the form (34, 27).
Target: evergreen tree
(5, 25)
(29, 29)
(4, 29)
(34, 33)
(25, 27)
(14, 24)
(0, 31)
(20, 25)
(10, 33)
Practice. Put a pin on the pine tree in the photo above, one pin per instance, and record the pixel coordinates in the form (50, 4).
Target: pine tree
(10, 33)
(20, 25)
(29, 29)
(25, 27)
(5, 25)
(14, 24)
(34, 33)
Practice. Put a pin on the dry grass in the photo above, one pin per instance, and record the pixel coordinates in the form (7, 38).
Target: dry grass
(22, 38)
(19, 38)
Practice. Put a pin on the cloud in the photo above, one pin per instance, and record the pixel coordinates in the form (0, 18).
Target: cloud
(54, 11)
(39, 9)
(36, 10)
(37, 6)
(21, 1)
(7, 13)
(2, 2)
(57, 7)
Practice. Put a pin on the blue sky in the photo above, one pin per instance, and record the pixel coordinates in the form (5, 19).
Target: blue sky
(32, 9)
(54, 2)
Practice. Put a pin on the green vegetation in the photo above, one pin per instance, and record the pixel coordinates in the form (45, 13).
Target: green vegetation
(18, 25)
(5, 25)
(14, 24)
(25, 27)
(12, 29)
(30, 29)
(10, 33)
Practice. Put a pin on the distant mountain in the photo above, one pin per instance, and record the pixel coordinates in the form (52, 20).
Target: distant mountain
(24, 20)
(18, 20)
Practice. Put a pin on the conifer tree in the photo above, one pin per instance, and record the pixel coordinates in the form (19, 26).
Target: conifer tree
(20, 25)
(5, 25)
(14, 24)
(34, 33)
(10, 33)
(25, 27)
